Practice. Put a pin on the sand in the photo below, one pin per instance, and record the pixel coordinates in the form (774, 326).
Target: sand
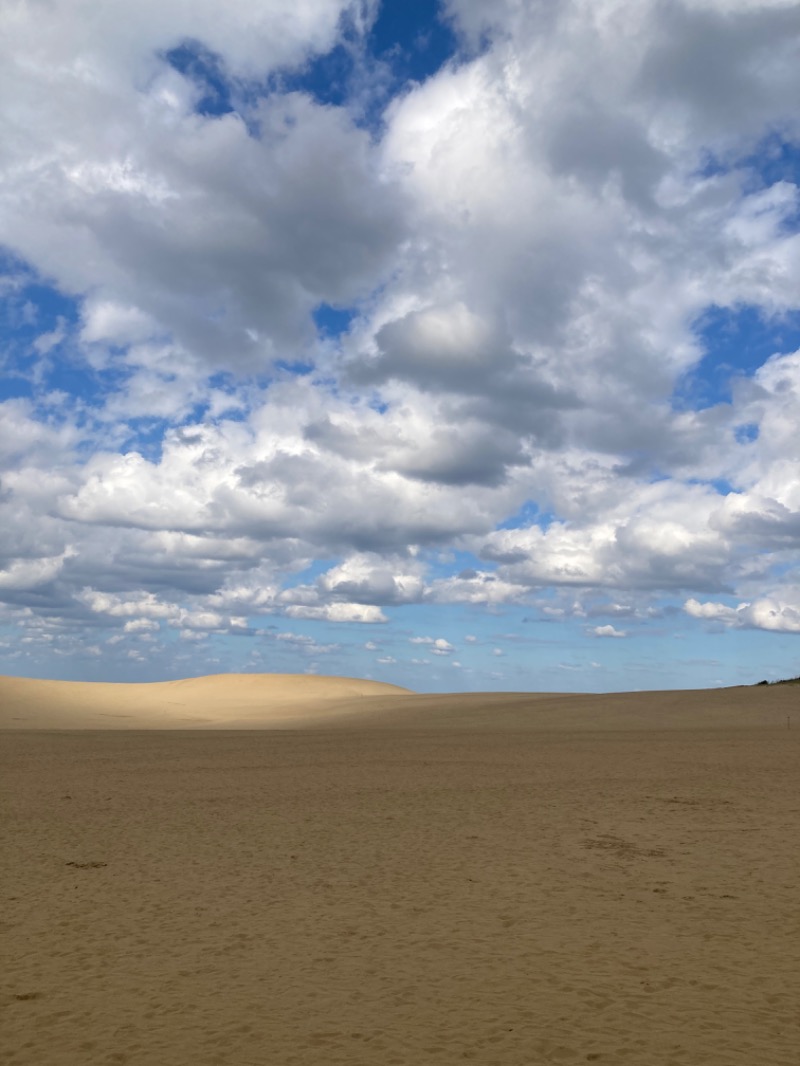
(228, 701)
(405, 880)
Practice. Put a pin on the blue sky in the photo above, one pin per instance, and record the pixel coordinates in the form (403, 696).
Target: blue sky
(450, 345)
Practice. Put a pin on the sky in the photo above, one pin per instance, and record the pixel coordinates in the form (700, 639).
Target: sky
(451, 344)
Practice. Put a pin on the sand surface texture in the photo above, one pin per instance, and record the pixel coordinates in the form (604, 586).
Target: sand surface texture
(491, 880)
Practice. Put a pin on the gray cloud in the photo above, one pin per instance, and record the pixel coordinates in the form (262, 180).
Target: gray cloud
(596, 147)
(467, 455)
(724, 70)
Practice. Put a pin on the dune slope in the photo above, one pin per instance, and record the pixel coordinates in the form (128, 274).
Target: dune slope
(218, 701)
(774, 707)
(291, 701)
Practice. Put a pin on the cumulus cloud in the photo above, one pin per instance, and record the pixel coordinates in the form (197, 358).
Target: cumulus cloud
(305, 644)
(339, 612)
(438, 645)
(373, 579)
(146, 611)
(607, 631)
(526, 252)
(141, 625)
(21, 574)
(772, 614)
(224, 230)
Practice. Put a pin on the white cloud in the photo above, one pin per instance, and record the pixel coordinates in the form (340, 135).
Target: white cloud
(104, 320)
(339, 612)
(141, 625)
(438, 645)
(21, 574)
(772, 614)
(374, 579)
(607, 631)
(306, 644)
(146, 610)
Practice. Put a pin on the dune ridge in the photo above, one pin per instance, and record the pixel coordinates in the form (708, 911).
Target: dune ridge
(213, 701)
(281, 701)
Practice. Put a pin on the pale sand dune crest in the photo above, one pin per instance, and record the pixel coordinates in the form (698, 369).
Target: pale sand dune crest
(215, 701)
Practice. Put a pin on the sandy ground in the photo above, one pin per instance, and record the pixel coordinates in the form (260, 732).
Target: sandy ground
(434, 880)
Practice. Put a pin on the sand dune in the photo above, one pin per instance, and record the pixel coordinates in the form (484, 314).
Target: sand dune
(744, 707)
(218, 701)
(406, 880)
(269, 701)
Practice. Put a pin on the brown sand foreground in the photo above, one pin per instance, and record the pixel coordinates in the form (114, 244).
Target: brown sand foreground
(414, 881)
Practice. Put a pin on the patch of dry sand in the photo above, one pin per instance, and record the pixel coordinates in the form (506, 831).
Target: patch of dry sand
(472, 880)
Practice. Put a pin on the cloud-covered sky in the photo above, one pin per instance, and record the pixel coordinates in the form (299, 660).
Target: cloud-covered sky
(456, 345)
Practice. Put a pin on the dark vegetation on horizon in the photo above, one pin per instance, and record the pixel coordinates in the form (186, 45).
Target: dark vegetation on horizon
(785, 681)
